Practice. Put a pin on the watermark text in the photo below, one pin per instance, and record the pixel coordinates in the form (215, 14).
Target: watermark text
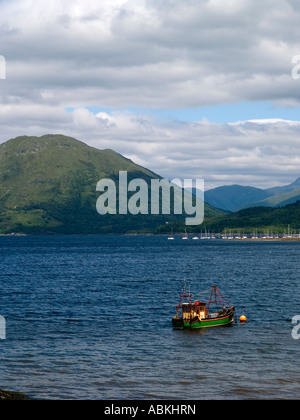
(296, 329)
(160, 197)
(2, 67)
(296, 67)
(2, 328)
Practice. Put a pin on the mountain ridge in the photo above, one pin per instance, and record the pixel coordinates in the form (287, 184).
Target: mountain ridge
(48, 185)
(286, 188)
(237, 197)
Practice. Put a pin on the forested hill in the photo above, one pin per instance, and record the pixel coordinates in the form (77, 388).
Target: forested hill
(262, 218)
(48, 185)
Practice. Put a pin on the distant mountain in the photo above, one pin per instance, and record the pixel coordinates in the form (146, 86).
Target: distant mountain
(236, 197)
(278, 199)
(285, 189)
(291, 200)
(48, 185)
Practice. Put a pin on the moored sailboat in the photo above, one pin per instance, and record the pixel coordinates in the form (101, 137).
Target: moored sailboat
(185, 237)
(171, 238)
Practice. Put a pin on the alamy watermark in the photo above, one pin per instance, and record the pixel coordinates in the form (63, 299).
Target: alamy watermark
(296, 67)
(296, 329)
(137, 197)
(2, 67)
(2, 328)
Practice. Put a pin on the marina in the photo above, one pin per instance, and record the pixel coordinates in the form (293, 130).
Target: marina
(241, 236)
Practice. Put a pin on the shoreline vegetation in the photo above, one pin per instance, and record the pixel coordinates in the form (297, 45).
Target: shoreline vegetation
(12, 396)
(179, 235)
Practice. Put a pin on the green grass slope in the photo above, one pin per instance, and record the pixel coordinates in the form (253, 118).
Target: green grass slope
(48, 185)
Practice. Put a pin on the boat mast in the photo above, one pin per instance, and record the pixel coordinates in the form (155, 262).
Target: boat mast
(213, 298)
(184, 293)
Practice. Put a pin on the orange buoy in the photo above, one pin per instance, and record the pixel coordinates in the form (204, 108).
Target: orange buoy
(243, 318)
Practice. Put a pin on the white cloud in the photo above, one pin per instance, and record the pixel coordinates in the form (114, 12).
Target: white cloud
(148, 53)
(258, 153)
(167, 54)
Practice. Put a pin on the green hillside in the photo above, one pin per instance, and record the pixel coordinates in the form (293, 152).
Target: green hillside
(279, 199)
(285, 189)
(261, 218)
(48, 185)
(33, 170)
(234, 197)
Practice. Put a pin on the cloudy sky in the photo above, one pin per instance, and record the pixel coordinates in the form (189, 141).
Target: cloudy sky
(188, 88)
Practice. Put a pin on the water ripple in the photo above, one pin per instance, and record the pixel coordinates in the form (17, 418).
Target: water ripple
(90, 318)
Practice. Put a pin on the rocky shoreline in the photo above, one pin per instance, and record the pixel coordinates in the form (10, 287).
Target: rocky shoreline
(12, 396)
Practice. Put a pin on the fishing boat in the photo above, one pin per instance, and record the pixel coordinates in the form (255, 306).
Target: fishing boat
(195, 314)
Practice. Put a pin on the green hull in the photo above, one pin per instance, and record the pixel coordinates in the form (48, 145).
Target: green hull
(178, 323)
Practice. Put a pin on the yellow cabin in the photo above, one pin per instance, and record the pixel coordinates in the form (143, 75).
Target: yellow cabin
(191, 310)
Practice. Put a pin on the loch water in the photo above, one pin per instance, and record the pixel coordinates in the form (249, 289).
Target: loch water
(89, 317)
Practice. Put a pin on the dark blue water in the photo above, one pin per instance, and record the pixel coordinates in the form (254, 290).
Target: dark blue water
(90, 318)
